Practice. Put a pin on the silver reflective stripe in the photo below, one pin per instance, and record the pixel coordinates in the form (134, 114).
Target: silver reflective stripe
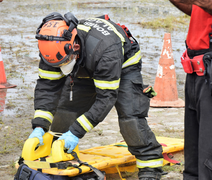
(51, 75)
(44, 114)
(85, 123)
(113, 85)
(149, 163)
(83, 27)
(133, 60)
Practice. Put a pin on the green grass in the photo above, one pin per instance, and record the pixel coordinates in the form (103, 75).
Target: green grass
(170, 23)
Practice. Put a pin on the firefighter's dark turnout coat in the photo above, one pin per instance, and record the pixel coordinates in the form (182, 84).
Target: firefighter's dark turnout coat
(107, 73)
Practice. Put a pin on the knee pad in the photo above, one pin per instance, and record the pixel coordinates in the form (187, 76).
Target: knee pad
(134, 131)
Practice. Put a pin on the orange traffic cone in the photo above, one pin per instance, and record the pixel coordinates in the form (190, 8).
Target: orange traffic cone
(3, 80)
(3, 93)
(165, 81)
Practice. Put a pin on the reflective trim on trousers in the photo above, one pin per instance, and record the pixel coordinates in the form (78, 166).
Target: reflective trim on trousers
(149, 163)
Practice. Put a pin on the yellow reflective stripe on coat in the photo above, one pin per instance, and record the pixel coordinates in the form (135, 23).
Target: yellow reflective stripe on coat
(44, 114)
(83, 27)
(112, 85)
(51, 75)
(149, 163)
(85, 123)
(133, 60)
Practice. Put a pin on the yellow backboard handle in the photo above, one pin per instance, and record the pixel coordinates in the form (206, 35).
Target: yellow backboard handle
(58, 153)
(32, 152)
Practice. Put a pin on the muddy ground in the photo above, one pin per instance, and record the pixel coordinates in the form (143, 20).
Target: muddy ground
(18, 23)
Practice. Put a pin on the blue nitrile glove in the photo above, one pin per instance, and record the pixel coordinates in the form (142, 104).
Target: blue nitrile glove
(71, 141)
(38, 132)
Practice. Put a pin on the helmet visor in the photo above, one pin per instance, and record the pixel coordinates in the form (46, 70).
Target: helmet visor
(70, 58)
(68, 67)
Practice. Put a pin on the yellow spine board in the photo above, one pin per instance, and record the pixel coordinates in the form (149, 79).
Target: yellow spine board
(109, 157)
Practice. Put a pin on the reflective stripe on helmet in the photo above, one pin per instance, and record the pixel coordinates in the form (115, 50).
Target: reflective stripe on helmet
(51, 75)
(149, 163)
(83, 27)
(44, 114)
(112, 85)
(133, 60)
(85, 123)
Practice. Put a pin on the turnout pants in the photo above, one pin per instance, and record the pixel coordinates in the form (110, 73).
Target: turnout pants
(132, 107)
(198, 129)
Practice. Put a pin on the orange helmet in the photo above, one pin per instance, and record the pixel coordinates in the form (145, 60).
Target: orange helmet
(56, 40)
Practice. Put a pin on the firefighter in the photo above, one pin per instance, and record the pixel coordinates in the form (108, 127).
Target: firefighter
(198, 100)
(87, 67)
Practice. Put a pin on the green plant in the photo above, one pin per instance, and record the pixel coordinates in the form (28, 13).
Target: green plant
(169, 22)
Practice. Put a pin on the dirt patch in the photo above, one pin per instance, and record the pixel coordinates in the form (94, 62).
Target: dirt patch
(18, 23)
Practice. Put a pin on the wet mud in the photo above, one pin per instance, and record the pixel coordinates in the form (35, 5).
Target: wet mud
(18, 23)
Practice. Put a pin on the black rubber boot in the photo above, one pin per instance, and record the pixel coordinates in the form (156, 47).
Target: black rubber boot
(150, 174)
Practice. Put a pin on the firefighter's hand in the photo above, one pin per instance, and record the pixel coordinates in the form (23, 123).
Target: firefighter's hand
(38, 132)
(71, 141)
(149, 91)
